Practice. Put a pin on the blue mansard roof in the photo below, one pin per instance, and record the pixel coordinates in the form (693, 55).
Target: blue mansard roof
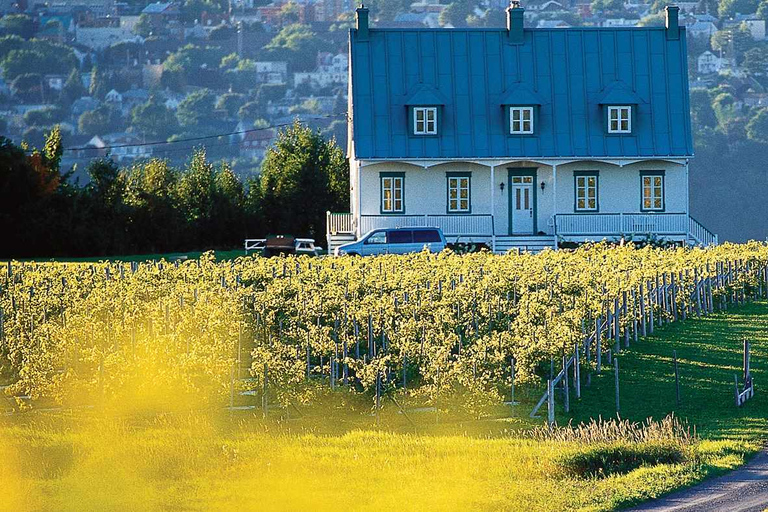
(571, 73)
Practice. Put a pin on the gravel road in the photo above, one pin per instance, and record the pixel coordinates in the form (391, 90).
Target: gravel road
(743, 490)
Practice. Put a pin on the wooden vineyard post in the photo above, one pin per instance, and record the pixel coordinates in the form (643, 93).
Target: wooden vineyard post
(345, 367)
(616, 380)
(650, 310)
(512, 381)
(577, 371)
(405, 364)
(265, 387)
(674, 296)
(378, 394)
(566, 390)
(626, 318)
(677, 379)
(550, 403)
(643, 326)
(598, 344)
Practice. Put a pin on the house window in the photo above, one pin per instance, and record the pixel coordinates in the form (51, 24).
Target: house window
(586, 192)
(520, 120)
(393, 193)
(652, 192)
(619, 119)
(458, 193)
(425, 120)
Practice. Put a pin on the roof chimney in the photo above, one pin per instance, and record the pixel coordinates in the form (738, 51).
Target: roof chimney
(361, 14)
(515, 22)
(673, 26)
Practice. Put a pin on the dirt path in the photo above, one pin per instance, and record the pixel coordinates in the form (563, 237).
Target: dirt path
(743, 490)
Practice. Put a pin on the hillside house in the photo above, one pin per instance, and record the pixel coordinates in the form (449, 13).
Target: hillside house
(519, 137)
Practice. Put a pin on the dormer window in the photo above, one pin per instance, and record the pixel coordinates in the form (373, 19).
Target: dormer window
(521, 120)
(620, 119)
(425, 120)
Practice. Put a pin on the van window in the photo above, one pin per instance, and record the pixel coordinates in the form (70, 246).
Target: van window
(401, 237)
(379, 237)
(425, 236)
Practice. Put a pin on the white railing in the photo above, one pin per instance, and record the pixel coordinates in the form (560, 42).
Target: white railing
(339, 223)
(622, 224)
(451, 225)
(700, 234)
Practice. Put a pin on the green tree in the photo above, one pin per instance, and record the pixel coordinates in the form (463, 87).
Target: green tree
(729, 8)
(702, 113)
(231, 103)
(73, 88)
(757, 127)
(298, 45)
(302, 177)
(46, 116)
(756, 61)
(251, 111)
(456, 13)
(18, 25)
(196, 109)
(28, 86)
(607, 6)
(192, 10)
(99, 121)
(762, 10)
(733, 43)
(144, 26)
(37, 56)
(153, 120)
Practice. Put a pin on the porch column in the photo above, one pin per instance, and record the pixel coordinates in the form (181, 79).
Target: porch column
(554, 202)
(687, 208)
(493, 208)
(358, 213)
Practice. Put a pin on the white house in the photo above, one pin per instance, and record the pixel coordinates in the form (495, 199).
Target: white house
(520, 138)
(331, 70)
(708, 63)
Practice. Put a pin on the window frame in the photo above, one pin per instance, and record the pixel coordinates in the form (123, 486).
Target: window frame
(586, 174)
(458, 176)
(620, 109)
(653, 174)
(521, 109)
(425, 109)
(393, 176)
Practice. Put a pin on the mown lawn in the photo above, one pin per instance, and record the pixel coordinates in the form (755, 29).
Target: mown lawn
(91, 460)
(709, 352)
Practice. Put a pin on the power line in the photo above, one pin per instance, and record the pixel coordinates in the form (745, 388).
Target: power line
(193, 139)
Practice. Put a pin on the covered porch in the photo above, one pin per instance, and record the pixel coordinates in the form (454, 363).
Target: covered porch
(522, 204)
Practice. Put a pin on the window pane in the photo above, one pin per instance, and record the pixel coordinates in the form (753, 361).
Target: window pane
(464, 193)
(401, 237)
(580, 204)
(515, 114)
(419, 114)
(431, 114)
(452, 204)
(423, 236)
(592, 204)
(452, 193)
(527, 179)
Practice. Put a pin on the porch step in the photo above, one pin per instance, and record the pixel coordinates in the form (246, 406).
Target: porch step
(338, 239)
(532, 244)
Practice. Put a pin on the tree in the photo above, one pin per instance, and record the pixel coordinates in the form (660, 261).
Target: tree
(729, 8)
(73, 88)
(762, 10)
(99, 121)
(28, 86)
(231, 103)
(702, 113)
(153, 120)
(144, 26)
(756, 61)
(250, 111)
(46, 116)
(18, 24)
(723, 105)
(607, 6)
(455, 13)
(741, 40)
(196, 109)
(36, 56)
(297, 44)
(302, 177)
(757, 127)
(192, 10)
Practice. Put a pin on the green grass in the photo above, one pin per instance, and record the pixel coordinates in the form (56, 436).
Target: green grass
(709, 352)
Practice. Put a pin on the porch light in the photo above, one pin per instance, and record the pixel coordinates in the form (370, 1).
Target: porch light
(501, 186)
(543, 186)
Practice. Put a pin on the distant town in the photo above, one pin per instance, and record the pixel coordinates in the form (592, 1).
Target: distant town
(132, 80)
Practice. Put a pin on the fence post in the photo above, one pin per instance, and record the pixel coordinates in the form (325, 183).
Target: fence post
(550, 403)
(599, 344)
(264, 399)
(643, 326)
(512, 374)
(577, 371)
(566, 388)
(616, 379)
(677, 379)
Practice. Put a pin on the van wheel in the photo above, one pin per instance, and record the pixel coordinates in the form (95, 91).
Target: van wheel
(353, 254)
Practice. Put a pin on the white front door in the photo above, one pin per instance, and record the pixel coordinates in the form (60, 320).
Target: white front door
(522, 205)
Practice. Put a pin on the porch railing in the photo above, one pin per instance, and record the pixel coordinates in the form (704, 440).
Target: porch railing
(621, 223)
(339, 223)
(451, 225)
(700, 234)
